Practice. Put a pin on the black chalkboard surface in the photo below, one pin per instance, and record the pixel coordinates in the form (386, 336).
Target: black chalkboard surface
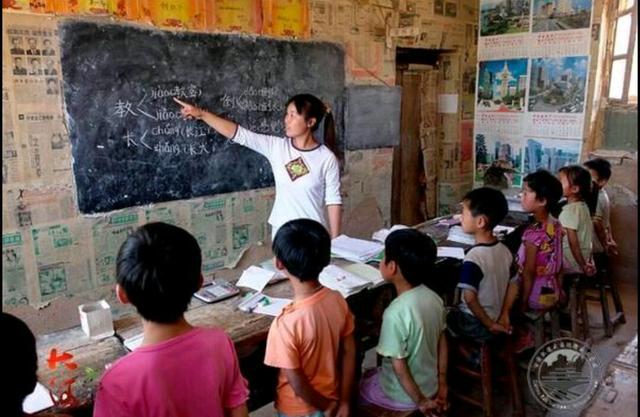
(372, 116)
(129, 145)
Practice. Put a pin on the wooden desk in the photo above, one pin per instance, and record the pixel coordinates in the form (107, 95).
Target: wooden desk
(89, 356)
(247, 330)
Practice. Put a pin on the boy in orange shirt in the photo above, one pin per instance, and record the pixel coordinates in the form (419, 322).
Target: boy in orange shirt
(311, 341)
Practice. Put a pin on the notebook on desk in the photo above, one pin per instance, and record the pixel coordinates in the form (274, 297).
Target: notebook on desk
(355, 250)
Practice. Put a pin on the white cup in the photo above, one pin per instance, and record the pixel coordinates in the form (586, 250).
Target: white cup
(95, 319)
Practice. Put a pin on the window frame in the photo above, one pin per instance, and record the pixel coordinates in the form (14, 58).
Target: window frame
(628, 56)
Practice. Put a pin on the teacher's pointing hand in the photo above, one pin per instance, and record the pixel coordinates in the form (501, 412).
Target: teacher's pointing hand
(188, 111)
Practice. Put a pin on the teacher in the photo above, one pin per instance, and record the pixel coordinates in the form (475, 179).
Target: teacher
(307, 173)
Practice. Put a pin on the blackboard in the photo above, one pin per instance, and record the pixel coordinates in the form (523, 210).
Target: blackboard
(372, 117)
(129, 145)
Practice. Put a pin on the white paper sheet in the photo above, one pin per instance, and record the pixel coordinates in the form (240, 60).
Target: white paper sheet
(381, 235)
(450, 252)
(499, 229)
(133, 342)
(38, 400)
(255, 278)
(447, 103)
(273, 307)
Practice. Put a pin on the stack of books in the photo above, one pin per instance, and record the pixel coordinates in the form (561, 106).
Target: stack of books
(355, 250)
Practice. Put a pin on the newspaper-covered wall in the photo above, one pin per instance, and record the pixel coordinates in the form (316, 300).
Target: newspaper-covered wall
(51, 252)
(532, 84)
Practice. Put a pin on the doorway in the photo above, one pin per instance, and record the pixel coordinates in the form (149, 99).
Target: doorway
(415, 159)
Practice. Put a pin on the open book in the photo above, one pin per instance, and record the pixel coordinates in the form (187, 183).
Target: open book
(365, 271)
(343, 281)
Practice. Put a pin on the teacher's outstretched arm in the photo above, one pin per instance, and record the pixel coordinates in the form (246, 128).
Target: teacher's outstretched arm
(225, 127)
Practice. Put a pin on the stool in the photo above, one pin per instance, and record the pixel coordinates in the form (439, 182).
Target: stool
(603, 282)
(578, 306)
(539, 319)
(502, 345)
(372, 410)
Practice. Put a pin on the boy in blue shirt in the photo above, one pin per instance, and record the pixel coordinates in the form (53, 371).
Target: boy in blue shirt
(486, 270)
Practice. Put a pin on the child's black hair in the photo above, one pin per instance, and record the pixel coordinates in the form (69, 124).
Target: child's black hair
(580, 177)
(489, 202)
(414, 253)
(159, 268)
(601, 166)
(21, 363)
(304, 248)
(547, 187)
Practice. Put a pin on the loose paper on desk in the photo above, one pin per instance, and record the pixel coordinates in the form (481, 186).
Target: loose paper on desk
(345, 282)
(255, 278)
(381, 235)
(356, 250)
(272, 306)
(38, 400)
(450, 252)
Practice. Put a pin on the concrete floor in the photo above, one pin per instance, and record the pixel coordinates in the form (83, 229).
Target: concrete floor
(622, 378)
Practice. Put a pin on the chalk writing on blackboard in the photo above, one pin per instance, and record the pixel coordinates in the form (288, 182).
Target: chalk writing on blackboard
(167, 121)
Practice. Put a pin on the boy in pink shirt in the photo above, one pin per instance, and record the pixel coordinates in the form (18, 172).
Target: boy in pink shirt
(179, 370)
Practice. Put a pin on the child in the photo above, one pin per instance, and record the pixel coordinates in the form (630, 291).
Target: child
(486, 270)
(539, 257)
(412, 340)
(21, 366)
(179, 370)
(603, 242)
(576, 220)
(311, 341)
